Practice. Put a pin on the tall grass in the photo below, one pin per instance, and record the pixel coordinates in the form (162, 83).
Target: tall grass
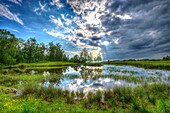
(135, 99)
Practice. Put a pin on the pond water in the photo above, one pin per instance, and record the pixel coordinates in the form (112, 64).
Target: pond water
(90, 78)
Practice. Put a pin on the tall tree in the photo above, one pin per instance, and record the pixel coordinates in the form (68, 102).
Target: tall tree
(8, 47)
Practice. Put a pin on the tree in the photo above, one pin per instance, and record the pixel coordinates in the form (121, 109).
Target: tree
(166, 58)
(8, 47)
(14, 50)
(55, 53)
(76, 58)
(30, 50)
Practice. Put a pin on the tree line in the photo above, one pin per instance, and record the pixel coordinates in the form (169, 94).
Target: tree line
(16, 50)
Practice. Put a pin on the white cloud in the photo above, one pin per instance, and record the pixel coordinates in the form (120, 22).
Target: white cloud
(91, 13)
(13, 30)
(67, 21)
(56, 21)
(45, 30)
(4, 11)
(116, 41)
(105, 43)
(124, 17)
(54, 33)
(19, 2)
(40, 9)
(57, 3)
(36, 10)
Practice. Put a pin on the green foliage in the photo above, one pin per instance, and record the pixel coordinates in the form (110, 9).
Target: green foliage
(166, 58)
(55, 53)
(8, 47)
(14, 50)
(36, 98)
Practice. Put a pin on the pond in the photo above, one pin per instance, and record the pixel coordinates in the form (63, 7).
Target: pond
(91, 78)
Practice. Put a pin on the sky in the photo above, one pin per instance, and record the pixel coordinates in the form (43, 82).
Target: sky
(117, 29)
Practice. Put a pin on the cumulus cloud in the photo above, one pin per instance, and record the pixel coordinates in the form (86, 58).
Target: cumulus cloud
(124, 28)
(5, 12)
(90, 11)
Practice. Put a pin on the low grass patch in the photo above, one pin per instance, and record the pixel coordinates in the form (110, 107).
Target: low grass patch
(42, 64)
(12, 80)
(144, 64)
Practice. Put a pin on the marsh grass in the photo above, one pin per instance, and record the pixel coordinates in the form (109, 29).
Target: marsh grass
(135, 99)
(14, 79)
(41, 64)
(35, 98)
(144, 64)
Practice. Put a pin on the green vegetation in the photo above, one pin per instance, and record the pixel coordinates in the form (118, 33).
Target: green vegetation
(17, 51)
(144, 99)
(14, 50)
(144, 64)
(22, 90)
(166, 58)
(44, 64)
(33, 97)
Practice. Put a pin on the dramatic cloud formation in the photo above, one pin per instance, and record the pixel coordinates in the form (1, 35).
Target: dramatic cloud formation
(119, 29)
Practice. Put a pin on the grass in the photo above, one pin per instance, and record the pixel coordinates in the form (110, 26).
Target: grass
(147, 98)
(42, 64)
(144, 64)
(12, 80)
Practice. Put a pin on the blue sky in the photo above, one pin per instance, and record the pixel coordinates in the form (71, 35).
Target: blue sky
(118, 29)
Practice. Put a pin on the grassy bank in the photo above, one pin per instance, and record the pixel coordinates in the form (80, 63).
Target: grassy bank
(42, 64)
(144, 64)
(143, 99)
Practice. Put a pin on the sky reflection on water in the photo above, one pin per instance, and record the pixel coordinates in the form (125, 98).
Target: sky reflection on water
(85, 79)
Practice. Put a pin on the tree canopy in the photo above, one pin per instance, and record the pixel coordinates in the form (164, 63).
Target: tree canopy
(14, 50)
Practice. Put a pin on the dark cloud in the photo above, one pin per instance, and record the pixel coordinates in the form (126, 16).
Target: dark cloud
(79, 34)
(95, 38)
(88, 42)
(146, 35)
